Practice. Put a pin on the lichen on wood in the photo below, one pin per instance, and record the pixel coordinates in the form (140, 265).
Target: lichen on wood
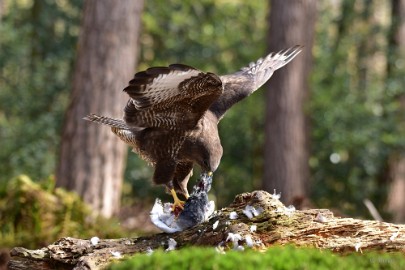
(261, 220)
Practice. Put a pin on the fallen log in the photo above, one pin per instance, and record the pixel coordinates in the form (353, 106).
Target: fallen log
(255, 220)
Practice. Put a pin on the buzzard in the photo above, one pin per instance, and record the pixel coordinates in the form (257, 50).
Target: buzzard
(172, 115)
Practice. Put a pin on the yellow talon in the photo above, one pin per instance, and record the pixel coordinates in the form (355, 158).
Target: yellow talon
(177, 202)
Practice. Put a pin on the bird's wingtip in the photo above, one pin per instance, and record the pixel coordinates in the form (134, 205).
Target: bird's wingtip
(90, 117)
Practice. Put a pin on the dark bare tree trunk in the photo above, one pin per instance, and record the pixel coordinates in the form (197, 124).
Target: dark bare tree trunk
(92, 158)
(286, 148)
(396, 198)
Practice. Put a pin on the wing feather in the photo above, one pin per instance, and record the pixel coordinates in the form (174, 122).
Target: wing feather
(173, 97)
(261, 70)
(244, 82)
(158, 84)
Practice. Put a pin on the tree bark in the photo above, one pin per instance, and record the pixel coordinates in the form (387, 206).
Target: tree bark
(286, 142)
(92, 158)
(396, 51)
(2, 3)
(396, 200)
(276, 224)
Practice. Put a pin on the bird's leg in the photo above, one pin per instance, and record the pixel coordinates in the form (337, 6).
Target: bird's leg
(178, 205)
(183, 173)
(177, 202)
(164, 173)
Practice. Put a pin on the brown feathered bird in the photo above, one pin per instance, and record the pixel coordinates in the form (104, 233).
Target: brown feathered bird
(171, 118)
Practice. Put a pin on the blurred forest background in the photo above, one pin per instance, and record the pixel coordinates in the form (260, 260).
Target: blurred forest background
(351, 106)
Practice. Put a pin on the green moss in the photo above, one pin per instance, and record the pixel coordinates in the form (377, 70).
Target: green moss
(33, 215)
(277, 258)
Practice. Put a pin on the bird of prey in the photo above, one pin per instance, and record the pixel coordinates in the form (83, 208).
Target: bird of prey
(172, 115)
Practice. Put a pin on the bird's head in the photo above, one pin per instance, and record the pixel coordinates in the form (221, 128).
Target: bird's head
(209, 164)
(209, 157)
(204, 147)
(205, 154)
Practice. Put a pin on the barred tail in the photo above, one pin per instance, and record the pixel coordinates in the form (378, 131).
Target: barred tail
(115, 123)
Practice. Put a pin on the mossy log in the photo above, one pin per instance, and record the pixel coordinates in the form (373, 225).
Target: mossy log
(268, 224)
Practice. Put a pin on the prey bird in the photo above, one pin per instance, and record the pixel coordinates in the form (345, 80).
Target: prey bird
(172, 115)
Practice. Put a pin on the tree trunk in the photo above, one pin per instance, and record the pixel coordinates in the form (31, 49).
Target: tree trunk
(274, 225)
(2, 2)
(396, 51)
(92, 158)
(396, 200)
(286, 143)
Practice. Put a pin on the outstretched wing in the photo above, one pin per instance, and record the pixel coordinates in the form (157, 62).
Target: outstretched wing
(173, 97)
(244, 82)
(159, 84)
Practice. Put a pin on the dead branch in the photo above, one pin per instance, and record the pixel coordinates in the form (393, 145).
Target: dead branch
(260, 220)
